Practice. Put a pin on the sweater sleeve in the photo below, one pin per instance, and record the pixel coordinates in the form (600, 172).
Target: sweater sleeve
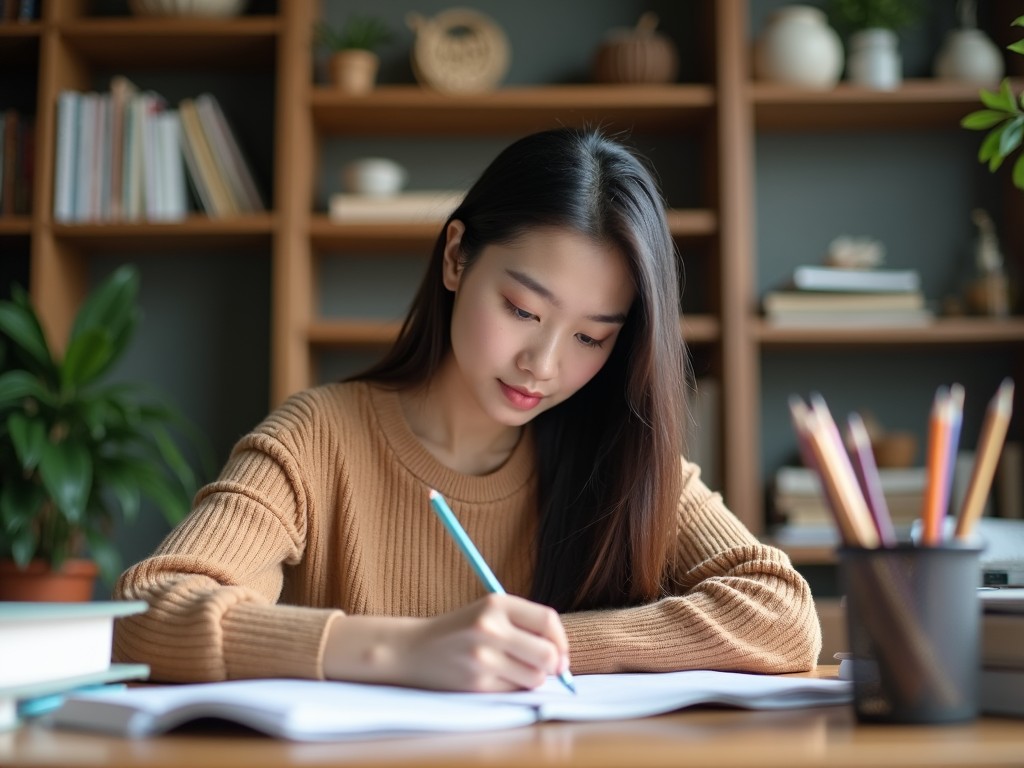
(213, 584)
(736, 605)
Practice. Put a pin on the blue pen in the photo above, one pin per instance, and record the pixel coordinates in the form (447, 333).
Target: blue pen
(477, 561)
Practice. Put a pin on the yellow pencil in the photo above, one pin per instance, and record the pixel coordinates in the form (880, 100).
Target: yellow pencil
(990, 444)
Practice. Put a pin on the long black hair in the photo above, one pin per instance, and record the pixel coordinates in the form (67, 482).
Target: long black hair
(608, 457)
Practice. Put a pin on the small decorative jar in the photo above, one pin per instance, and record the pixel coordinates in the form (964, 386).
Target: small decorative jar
(970, 56)
(875, 60)
(798, 47)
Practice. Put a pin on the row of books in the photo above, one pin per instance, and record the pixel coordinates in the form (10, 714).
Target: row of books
(824, 296)
(19, 10)
(128, 155)
(17, 166)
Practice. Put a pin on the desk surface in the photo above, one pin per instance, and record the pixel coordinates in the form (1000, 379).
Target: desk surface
(720, 737)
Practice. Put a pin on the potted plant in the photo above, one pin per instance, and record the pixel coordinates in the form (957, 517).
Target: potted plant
(353, 62)
(1003, 118)
(873, 56)
(76, 451)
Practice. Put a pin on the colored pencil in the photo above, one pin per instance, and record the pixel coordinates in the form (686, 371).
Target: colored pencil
(990, 445)
(870, 483)
(937, 466)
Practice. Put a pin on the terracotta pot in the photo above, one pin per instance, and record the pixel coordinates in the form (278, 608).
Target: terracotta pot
(354, 71)
(73, 583)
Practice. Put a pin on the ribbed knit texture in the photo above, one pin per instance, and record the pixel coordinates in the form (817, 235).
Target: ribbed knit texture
(323, 510)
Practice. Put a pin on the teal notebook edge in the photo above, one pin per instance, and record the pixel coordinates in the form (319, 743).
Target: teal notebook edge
(18, 611)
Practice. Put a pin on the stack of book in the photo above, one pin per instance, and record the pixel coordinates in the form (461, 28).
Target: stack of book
(821, 296)
(801, 509)
(1001, 688)
(409, 207)
(51, 649)
(122, 155)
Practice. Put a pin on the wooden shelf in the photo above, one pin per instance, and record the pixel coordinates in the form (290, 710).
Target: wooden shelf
(416, 111)
(924, 103)
(195, 232)
(16, 226)
(245, 43)
(360, 332)
(960, 330)
(328, 235)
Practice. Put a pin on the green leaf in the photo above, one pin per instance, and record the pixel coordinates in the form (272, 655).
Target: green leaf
(22, 327)
(105, 555)
(1008, 95)
(23, 547)
(1018, 173)
(983, 119)
(89, 354)
(1011, 137)
(16, 385)
(120, 481)
(111, 307)
(990, 146)
(29, 437)
(1018, 22)
(172, 456)
(997, 99)
(66, 471)
(1017, 47)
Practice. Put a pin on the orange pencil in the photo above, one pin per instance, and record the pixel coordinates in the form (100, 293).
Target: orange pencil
(939, 426)
(990, 444)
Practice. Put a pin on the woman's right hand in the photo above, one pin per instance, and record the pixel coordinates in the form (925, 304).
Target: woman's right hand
(496, 643)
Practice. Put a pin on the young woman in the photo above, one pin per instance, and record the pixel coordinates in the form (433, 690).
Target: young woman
(538, 384)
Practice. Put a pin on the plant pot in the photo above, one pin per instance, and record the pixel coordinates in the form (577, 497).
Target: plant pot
(797, 47)
(875, 60)
(969, 56)
(354, 71)
(37, 582)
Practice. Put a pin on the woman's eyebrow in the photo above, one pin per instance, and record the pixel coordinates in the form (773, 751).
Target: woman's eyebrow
(528, 282)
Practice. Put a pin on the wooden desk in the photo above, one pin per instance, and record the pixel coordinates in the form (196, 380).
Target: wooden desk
(805, 737)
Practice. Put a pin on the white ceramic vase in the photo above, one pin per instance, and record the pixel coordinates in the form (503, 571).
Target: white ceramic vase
(874, 60)
(970, 56)
(798, 47)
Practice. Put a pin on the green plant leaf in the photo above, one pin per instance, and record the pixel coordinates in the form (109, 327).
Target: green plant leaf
(22, 327)
(29, 437)
(997, 99)
(1018, 22)
(990, 146)
(111, 308)
(1017, 47)
(173, 457)
(1011, 137)
(983, 119)
(1008, 96)
(23, 547)
(1018, 173)
(120, 481)
(17, 385)
(105, 555)
(66, 471)
(90, 352)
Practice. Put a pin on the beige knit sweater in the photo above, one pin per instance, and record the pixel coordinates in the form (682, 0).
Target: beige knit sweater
(323, 509)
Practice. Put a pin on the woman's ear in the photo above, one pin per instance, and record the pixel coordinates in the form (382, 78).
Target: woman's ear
(451, 266)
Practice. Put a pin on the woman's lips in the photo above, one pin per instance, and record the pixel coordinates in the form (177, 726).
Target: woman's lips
(519, 398)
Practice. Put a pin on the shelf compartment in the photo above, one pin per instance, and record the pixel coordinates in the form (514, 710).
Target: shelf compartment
(194, 232)
(245, 44)
(328, 235)
(958, 330)
(696, 329)
(922, 103)
(418, 111)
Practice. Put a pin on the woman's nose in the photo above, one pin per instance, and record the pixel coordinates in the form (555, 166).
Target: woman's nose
(540, 358)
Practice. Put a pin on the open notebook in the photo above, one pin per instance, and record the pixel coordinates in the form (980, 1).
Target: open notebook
(305, 710)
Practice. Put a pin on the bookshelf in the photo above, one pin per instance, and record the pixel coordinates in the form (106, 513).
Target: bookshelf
(718, 214)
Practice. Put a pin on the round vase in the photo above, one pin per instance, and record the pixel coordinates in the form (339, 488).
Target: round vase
(798, 47)
(970, 56)
(875, 60)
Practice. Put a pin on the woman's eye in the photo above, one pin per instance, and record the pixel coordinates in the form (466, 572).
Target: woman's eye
(588, 341)
(519, 314)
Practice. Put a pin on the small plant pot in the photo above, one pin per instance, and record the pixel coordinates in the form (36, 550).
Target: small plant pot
(37, 582)
(354, 71)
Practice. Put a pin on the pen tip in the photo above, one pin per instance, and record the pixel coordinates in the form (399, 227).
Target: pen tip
(434, 494)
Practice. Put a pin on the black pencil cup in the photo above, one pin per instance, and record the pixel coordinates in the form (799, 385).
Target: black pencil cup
(913, 621)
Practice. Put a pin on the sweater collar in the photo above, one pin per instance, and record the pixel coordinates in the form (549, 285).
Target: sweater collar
(503, 482)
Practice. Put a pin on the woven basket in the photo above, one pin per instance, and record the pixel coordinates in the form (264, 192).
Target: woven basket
(459, 51)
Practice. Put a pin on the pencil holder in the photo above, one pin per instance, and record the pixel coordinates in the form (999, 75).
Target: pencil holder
(913, 622)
